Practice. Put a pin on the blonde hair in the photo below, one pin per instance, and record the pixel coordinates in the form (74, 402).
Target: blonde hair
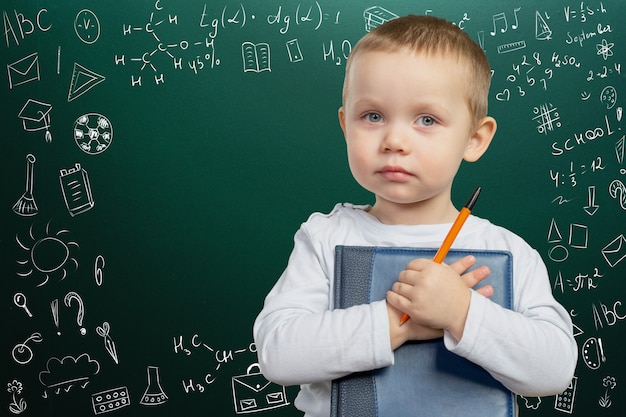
(430, 35)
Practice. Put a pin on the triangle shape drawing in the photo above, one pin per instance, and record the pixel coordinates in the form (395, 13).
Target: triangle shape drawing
(542, 30)
(83, 80)
(554, 234)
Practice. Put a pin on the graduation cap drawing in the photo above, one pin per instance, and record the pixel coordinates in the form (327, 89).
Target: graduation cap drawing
(35, 116)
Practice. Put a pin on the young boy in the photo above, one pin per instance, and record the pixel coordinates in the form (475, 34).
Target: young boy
(414, 106)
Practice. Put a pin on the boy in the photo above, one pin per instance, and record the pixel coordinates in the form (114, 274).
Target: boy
(414, 106)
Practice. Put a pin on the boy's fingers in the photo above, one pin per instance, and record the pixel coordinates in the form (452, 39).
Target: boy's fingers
(475, 276)
(486, 291)
(397, 301)
(463, 264)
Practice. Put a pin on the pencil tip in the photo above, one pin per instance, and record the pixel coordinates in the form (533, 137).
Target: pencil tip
(472, 200)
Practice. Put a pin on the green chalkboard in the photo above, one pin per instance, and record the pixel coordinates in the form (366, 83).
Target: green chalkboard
(157, 159)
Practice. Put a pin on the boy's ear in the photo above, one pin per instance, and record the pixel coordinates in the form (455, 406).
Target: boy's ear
(342, 119)
(480, 139)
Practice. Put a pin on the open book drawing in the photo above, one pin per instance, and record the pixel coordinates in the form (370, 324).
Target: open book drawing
(256, 57)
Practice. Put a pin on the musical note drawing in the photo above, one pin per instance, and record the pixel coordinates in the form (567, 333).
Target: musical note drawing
(500, 17)
(515, 10)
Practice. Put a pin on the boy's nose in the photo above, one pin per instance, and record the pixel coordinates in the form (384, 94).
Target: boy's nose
(395, 141)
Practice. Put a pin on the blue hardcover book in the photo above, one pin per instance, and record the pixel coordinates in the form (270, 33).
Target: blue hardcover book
(426, 380)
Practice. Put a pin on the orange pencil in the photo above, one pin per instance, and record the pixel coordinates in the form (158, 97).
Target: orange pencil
(454, 231)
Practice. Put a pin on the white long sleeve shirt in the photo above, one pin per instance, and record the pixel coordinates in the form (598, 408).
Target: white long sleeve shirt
(300, 339)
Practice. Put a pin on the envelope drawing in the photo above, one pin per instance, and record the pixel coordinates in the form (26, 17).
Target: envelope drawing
(275, 398)
(24, 70)
(615, 251)
(252, 392)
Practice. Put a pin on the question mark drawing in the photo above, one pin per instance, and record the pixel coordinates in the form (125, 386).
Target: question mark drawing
(81, 309)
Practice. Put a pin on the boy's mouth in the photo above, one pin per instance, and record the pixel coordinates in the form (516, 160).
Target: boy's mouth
(395, 173)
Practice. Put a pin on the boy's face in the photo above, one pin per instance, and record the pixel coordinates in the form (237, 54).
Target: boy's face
(407, 127)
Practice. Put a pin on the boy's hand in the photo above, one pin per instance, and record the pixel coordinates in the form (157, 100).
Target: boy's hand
(411, 330)
(436, 297)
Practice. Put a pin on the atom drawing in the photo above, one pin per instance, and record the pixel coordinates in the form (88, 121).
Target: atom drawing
(605, 49)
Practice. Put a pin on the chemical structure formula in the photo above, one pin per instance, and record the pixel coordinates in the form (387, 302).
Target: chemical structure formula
(163, 40)
(165, 47)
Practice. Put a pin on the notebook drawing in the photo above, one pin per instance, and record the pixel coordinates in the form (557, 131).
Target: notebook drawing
(426, 380)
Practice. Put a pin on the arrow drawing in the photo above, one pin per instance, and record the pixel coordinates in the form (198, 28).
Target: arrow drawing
(591, 207)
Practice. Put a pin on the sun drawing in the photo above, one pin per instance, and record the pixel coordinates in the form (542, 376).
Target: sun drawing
(49, 255)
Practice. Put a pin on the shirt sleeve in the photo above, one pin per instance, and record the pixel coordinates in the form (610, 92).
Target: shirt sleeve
(530, 350)
(300, 340)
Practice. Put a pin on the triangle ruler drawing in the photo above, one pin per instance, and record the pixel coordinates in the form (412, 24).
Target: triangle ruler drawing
(83, 80)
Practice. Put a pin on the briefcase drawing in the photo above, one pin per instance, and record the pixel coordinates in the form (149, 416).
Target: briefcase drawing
(252, 392)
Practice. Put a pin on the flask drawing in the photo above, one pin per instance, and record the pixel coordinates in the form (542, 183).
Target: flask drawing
(154, 394)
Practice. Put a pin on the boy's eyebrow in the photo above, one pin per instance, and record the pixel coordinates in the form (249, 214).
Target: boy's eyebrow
(418, 105)
(366, 100)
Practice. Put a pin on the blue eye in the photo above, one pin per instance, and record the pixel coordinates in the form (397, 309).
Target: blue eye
(373, 117)
(426, 120)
